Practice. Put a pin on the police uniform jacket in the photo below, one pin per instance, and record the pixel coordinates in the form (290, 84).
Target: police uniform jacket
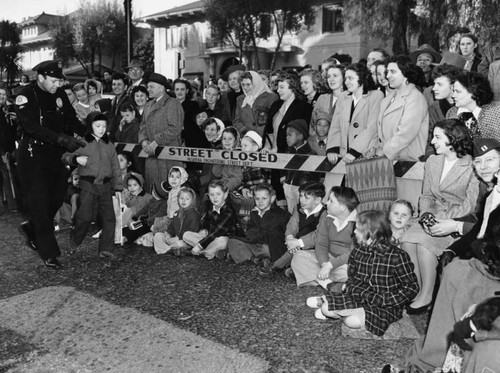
(44, 116)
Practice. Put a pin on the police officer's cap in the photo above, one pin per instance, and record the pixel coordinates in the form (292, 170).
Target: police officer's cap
(50, 68)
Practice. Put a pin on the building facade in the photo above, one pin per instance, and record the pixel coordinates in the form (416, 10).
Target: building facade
(183, 46)
(36, 39)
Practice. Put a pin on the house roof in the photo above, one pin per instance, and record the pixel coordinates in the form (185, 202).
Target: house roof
(41, 19)
(44, 37)
(194, 9)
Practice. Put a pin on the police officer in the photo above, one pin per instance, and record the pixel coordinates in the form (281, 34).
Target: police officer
(48, 122)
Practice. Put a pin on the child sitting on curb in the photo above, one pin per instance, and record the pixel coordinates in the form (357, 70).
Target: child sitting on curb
(242, 200)
(187, 218)
(217, 223)
(300, 231)
(380, 284)
(265, 235)
(328, 262)
(135, 198)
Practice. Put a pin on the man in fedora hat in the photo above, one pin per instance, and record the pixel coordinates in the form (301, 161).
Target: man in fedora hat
(48, 123)
(135, 72)
(162, 123)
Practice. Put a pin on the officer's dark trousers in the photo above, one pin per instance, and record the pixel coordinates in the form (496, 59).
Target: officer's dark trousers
(98, 202)
(43, 180)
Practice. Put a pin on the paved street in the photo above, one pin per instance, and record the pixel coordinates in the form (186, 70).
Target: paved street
(166, 314)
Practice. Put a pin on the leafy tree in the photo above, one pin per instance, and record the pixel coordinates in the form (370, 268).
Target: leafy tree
(94, 29)
(288, 16)
(382, 19)
(235, 22)
(445, 18)
(144, 50)
(434, 22)
(244, 22)
(10, 50)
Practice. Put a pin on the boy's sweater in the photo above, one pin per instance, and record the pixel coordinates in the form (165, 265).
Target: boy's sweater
(332, 241)
(184, 220)
(304, 227)
(218, 223)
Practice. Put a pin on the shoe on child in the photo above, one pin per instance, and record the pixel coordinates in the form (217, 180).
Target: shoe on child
(196, 250)
(314, 302)
(221, 254)
(289, 273)
(319, 315)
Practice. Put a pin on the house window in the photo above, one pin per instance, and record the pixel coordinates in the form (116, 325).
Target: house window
(178, 37)
(333, 20)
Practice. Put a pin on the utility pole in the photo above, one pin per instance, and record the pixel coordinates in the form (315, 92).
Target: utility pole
(127, 4)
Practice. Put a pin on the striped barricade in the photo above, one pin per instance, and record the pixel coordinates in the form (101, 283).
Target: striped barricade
(280, 161)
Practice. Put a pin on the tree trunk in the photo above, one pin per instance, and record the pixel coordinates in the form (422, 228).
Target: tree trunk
(400, 44)
(278, 44)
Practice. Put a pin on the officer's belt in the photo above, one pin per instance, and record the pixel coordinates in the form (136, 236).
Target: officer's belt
(91, 179)
(33, 141)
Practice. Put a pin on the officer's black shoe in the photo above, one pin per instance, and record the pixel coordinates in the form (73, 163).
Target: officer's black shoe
(52, 263)
(26, 230)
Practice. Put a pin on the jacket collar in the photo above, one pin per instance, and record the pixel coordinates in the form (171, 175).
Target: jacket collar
(89, 138)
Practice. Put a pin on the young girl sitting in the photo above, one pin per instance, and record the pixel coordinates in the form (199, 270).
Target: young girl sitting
(125, 159)
(399, 216)
(380, 280)
(187, 218)
(230, 175)
(135, 198)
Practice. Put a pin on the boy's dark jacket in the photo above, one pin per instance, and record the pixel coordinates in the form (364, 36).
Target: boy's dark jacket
(273, 221)
(218, 224)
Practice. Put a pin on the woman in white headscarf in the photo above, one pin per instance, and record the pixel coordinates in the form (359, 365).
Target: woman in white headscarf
(253, 106)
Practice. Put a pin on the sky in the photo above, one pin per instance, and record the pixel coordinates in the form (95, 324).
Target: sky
(16, 10)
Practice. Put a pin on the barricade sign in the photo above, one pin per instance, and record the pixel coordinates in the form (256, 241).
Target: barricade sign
(280, 161)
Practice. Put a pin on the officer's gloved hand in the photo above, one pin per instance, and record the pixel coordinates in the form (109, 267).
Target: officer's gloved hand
(69, 142)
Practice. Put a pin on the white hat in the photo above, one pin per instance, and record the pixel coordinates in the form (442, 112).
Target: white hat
(255, 137)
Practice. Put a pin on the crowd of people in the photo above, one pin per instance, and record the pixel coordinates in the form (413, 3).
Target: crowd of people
(373, 265)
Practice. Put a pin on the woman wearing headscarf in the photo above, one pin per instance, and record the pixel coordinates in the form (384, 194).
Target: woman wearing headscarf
(253, 106)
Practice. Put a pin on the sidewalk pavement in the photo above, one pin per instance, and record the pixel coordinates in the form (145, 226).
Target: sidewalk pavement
(85, 334)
